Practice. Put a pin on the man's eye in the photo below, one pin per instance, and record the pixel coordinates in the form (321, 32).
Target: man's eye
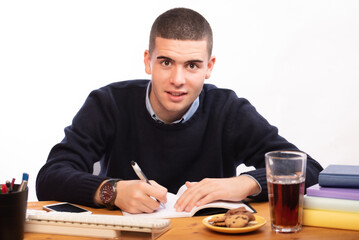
(166, 63)
(192, 66)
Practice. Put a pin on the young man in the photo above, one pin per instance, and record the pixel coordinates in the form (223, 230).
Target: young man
(178, 129)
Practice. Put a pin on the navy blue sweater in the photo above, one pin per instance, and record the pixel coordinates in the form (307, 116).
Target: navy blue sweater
(114, 127)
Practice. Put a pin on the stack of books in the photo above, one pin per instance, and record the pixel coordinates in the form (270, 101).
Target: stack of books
(334, 202)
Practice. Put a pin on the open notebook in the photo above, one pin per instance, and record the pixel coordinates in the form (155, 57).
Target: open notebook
(211, 208)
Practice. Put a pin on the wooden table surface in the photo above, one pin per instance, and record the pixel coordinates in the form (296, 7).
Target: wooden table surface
(192, 229)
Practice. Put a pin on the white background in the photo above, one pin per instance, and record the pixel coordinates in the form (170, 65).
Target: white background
(296, 61)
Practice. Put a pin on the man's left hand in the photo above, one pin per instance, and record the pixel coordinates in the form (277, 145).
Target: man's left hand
(212, 189)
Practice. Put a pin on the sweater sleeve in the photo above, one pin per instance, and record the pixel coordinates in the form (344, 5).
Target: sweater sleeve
(67, 174)
(252, 136)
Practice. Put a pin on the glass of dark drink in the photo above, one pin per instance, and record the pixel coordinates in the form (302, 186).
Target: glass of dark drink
(286, 178)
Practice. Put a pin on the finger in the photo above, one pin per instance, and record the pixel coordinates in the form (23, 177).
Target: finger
(207, 189)
(182, 201)
(140, 205)
(155, 184)
(189, 198)
(149, 205)
(157, 191)
(189, 184)
(206, 199)
(140, 208)
(197, 196)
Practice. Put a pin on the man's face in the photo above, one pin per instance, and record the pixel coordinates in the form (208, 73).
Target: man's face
(178, 70)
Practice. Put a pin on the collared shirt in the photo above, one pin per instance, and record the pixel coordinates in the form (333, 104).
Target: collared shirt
(184, 118)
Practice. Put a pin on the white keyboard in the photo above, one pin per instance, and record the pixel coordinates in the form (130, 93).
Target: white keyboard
(95, 225)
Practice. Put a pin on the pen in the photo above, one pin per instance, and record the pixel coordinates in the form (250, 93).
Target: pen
(142, 176)
(12, 183)
(25, 178)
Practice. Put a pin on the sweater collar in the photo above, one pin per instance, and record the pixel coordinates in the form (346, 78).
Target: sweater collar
(184, 118)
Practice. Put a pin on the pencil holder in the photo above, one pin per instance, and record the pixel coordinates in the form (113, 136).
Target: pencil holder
(12, 214)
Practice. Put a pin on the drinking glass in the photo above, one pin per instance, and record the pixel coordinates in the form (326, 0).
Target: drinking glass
(286, 179)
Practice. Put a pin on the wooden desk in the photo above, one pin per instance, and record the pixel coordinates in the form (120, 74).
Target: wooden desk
(192, 229)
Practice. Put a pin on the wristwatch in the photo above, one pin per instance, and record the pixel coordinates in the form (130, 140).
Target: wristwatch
(108, 193)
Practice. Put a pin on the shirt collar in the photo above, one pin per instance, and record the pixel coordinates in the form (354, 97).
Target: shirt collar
(184, 118)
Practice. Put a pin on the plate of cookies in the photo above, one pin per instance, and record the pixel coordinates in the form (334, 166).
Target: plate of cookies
(234, 221)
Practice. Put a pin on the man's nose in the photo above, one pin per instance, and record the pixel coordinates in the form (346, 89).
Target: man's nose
(178, 76)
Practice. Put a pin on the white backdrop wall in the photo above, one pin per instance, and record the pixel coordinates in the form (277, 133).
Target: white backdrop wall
(296, 61)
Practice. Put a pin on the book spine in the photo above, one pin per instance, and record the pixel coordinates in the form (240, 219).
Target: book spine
(327, 180)
(333, 194)
(331, 219)
(331, 204)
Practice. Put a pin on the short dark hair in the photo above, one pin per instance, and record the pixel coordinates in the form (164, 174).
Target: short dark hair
(181, 24)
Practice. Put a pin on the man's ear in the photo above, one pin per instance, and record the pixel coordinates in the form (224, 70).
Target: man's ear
(147, 61)
(210, 66)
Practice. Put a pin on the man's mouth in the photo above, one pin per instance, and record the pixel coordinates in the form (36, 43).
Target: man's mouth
(176, 93)
(176, 96)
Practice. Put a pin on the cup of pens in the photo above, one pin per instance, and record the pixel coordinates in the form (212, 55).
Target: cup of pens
(13, 203)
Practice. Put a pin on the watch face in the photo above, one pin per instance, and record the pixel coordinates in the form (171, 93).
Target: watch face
(107, 193)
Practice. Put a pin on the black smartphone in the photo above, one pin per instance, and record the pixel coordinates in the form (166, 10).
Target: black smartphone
(65, 207)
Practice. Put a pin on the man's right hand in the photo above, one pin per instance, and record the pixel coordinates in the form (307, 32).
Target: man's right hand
(137, 196)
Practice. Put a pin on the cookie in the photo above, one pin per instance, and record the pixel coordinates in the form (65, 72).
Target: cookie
(217, 219)
(236, 211)
(236, 221)
(248, 214)
(219, 224)
(240, 211)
